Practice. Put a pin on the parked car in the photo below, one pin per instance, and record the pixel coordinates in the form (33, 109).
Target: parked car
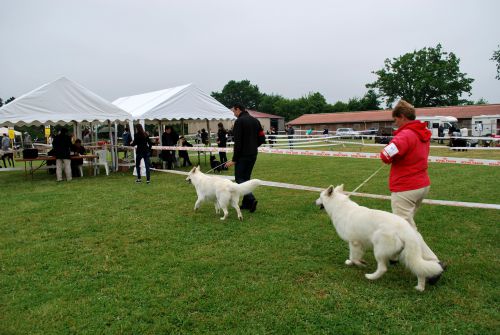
(346, 133)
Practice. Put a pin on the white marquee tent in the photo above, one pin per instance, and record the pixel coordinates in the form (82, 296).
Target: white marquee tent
(185, 102)
(62, 101)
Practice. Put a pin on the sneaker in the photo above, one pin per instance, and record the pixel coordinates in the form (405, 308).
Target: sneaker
(137, 181)
(148, 181)
(253, 206)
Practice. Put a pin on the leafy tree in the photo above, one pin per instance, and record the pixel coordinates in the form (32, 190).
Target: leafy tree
(1, 102)
(426, 78)
(496, 58)
(239, 92)
(269, 103)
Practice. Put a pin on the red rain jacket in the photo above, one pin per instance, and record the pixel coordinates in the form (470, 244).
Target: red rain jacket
(408, 153)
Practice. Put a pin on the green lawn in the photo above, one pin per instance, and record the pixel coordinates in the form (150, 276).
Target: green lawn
(104, 255)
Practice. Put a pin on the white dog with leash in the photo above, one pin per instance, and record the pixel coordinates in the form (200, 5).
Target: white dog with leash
(220, 190)
(389, 235)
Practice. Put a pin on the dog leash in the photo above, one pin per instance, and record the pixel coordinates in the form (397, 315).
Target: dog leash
(215, 168)
(367, 179)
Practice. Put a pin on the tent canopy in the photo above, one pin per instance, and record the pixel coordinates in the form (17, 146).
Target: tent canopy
(185, 102)
(59, 102)
(5, 130)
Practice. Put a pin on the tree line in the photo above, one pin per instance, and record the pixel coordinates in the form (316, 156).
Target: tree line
(429, 77)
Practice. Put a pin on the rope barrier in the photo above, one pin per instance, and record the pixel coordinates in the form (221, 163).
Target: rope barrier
(357, 194)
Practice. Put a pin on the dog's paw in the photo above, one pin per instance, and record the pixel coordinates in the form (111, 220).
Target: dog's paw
(420, 288)
(240, 218)
(223, 218)
(371, 276)
(348, 262)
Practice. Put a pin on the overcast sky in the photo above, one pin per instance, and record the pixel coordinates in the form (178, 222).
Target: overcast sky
(289, 47)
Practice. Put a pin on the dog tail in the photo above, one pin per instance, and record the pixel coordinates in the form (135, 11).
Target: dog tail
(247, 187)
(412, 255)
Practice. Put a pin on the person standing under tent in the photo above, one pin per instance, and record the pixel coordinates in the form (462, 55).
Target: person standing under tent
(62, 151)
(142, 152)
(409, 182)
(28, 143)
(204, 136)
(222, 142)
(5, 142)
(169, 138)
(127, 139)
(245, 131)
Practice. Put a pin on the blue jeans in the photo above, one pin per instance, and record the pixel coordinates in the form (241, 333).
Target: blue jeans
(138, 157)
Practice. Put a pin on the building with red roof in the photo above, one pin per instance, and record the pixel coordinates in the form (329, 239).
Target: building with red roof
(383, 118)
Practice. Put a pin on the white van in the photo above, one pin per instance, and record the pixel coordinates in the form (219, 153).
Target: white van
(484, 125)
(433, 123)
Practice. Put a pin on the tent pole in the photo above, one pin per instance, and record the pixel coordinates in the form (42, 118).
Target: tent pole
(116, 147)
(111, 145)
(209, 135)
(182, 127)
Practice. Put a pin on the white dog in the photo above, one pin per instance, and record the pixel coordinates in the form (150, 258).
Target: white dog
(389, 235)
(222, 191)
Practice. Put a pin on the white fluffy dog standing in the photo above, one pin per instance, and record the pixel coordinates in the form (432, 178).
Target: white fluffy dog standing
(389, 235)
(222, 191)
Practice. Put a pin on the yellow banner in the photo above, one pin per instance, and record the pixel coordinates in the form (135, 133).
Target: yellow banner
(47, 131)
(11, 133)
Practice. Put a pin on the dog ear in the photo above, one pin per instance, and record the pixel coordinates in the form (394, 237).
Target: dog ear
(329, 191)
(197, 168)
(339, 188)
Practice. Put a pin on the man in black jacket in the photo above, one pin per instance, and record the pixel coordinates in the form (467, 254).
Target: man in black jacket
(245, 132)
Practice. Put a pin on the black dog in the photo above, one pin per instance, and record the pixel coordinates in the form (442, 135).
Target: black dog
(10, 159)
(215, 164)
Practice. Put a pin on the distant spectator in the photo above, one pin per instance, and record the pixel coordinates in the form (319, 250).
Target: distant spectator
(28, 143)
(77, 149)
(169, 138)
(197, 137)
(204, 136)
(142, 152)
(183, 153)
(222, 142)
(62, 151)
(5, 143)
(127, 139)
(86, 137)
(290, 132)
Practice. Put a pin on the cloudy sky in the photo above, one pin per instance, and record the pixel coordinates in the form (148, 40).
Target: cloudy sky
(289, 47)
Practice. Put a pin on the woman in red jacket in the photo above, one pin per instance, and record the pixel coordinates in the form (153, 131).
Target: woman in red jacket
(408, 153)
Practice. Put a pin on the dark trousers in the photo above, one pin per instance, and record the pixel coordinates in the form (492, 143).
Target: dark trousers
(242, 173)
(147, 163)
(222, 156)
(183, 154)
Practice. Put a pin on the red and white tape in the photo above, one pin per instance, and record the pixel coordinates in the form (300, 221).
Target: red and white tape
(342, 154)
(357, 194)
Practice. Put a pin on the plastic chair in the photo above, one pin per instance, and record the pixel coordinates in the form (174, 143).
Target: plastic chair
(102, 159)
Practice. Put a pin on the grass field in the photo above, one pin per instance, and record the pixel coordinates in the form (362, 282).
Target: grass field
(104, 255)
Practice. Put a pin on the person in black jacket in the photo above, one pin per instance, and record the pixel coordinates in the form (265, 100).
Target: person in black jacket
(183, 153)
(142, 151)
(245, 131)
(62, 151)
(169, 138)
(222, 142)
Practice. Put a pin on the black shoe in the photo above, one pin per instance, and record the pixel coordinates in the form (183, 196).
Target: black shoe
(434, 279)
(253, 207)
(138, 181)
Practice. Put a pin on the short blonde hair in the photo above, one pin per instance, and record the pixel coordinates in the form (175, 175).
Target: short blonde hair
(403, 108)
